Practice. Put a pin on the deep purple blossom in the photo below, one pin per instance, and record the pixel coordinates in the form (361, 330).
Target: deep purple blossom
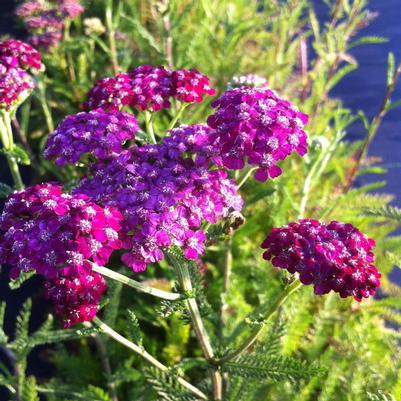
(76, 294)
(256, 126)
(44, 230)
(17, 54)
(165, 193)
(334, 256)
(111, 93)
(190, 86)
(15, 86)
(96, 132)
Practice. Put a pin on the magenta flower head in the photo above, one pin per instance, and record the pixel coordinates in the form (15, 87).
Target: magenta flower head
(111, 93)
(190, 86)
(165, 193)
(334, 256)
(15, 86)
(17, 54)
(152, 87)
(97, 132)
(76, 294)
(256, 126)
(44, 230)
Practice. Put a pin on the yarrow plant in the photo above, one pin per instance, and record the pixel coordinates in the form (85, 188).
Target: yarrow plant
(333, 257)
(45, 20)
(147, 200)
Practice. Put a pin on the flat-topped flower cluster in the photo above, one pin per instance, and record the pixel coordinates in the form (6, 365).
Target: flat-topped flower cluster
(149, 88)
(333, 257)
(140, 199)
(45, 19)
(16, 58)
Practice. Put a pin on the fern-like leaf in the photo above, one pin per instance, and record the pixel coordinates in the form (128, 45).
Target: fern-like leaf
(167, 386)
(29, 392)
(271, 368)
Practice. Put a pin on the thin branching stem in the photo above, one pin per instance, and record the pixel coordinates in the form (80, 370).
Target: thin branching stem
(246, 176)
(373, 128)
(6, 135)
(111, 35)
(199, 327)
(145, 355)
(104, 271)
(43, 103)
(181, 109)
(149, 127)
(258, 330)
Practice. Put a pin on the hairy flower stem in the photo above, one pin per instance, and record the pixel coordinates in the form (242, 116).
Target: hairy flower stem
(258, 330)
(228, 265)
(106, 366)
(43, 102)
(199, 328)
(245, 178)
(7, 140)
(149, 127)
(144, 354)
(104, 271)
(111, 34)
(181, 109)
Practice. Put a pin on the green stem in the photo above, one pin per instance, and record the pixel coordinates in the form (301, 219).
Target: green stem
(258, 330)
(199, 328)
(149, 126)
(7, 140)
(144, 354)
(245, 178)
(111, 34)
(228, 265)
(183, 106)
(43, 102)
(171, 296)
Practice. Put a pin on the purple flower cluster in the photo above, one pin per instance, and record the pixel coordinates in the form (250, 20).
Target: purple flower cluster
(148, 88)
(17, 54)
(165, 193)
(15, 86)
(334, 256)
(45, 19)
(44, 230)
(256, 126)
(97, 132)
(76, 294)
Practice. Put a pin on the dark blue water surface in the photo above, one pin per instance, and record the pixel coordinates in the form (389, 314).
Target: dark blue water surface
(364, 89)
